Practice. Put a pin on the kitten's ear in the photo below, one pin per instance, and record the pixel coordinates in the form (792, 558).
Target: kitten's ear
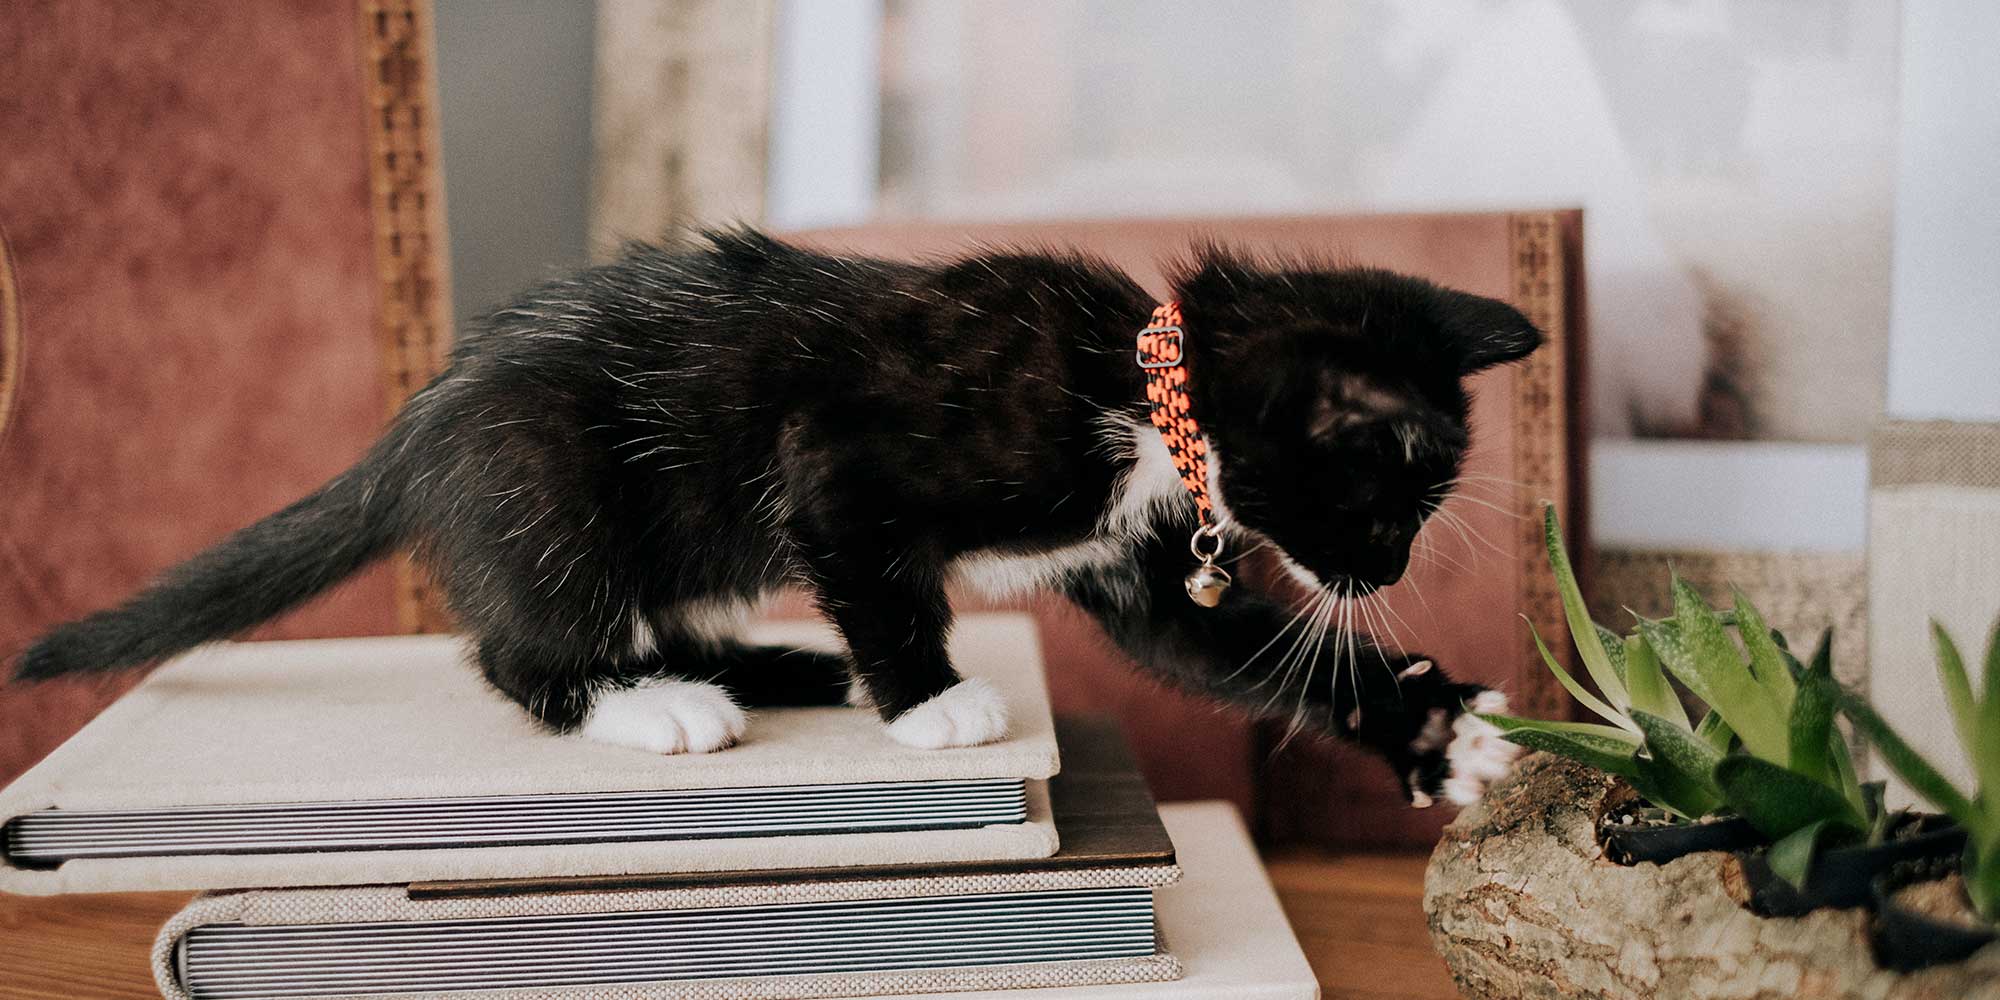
(1483, 332)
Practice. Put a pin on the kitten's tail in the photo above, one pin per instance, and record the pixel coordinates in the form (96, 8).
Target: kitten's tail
(254, 575)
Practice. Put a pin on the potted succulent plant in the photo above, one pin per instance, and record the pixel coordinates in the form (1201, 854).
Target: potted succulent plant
(1925, 920)
(1747, 809)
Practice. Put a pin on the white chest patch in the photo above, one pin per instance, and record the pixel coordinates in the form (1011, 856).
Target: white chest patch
(1149, 484)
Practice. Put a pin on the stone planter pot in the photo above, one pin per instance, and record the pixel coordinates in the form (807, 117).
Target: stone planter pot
(1523, 905)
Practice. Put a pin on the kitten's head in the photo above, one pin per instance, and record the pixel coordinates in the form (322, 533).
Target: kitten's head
(1335, 401)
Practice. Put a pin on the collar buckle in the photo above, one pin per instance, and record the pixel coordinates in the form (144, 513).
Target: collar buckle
(1159, 356)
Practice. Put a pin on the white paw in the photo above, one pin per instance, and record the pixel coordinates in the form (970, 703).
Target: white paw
(667, 716)
(1477, 755)
(966, 714)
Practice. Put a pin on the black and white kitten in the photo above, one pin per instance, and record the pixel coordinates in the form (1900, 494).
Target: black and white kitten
(618, 463)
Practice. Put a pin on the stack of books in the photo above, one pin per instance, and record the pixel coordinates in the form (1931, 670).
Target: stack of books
(368, 820)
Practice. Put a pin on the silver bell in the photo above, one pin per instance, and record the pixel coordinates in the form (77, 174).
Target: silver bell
(1206, 584)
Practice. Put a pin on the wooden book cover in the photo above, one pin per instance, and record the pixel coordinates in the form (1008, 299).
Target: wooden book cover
(1462, 603)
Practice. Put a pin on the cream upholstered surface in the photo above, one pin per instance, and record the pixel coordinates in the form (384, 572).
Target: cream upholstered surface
(389, 718)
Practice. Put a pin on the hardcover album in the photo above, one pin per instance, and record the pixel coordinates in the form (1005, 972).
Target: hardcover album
(1137, 896)
(346, 761)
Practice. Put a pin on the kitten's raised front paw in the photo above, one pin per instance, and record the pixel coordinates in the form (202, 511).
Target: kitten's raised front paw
(667, 716)
(966, 714)
(1477, 755)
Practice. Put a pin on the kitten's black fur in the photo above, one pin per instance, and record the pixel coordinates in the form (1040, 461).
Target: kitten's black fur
(711, 421)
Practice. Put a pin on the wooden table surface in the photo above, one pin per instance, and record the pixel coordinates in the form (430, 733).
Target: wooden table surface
(1358, 916)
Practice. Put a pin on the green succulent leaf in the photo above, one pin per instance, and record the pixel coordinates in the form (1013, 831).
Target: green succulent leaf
(1673, 791)
(1575, 688)
(1696, 650)
(1582, 630)
(1986, 745)
(1907, 763)
(1676, 769)
(1982, 880)
(1766, 659)
(1812, 723)
(1791, 857)
(1675, 748)
(1646, 683)
(1844, 775)
(1715, 732)
(1777, 801)
(1957, 689)
(1614, 649)
(1603, 747)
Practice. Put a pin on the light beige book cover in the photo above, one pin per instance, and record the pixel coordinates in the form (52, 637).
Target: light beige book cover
(1216, 928)
(325, 724)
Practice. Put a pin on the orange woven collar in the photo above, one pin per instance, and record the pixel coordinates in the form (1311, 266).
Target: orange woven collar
(1162, 349)
(1163, 356)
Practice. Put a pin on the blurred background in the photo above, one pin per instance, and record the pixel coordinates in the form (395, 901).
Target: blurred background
(241, 234)
(1736, 158)
(1764, 236)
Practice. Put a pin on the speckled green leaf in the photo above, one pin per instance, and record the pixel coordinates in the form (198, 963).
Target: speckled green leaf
(1812, 722)
(1777, 801)
(1766, 660)
(1700, 653)
(1677, 748)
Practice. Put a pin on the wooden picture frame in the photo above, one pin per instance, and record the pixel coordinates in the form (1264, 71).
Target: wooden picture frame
(413, 324)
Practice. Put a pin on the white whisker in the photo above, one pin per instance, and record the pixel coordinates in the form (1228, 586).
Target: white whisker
(1303, 605)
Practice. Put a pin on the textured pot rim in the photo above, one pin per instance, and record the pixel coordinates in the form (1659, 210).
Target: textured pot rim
(1567, 795)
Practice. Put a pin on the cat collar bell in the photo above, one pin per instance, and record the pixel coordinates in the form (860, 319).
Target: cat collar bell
(1160, 354)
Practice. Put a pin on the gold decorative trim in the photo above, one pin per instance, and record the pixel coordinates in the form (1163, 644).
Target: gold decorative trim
(1541, 443)
(406, 198)
(11, 356)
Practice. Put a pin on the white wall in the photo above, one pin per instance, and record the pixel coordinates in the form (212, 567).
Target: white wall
(826, 103)
(1934, 550)
(514, 79)
(1944, 332)
(1760, 495)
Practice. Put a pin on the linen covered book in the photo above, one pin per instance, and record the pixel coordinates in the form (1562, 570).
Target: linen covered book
(1083, 916)
(350, 761)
